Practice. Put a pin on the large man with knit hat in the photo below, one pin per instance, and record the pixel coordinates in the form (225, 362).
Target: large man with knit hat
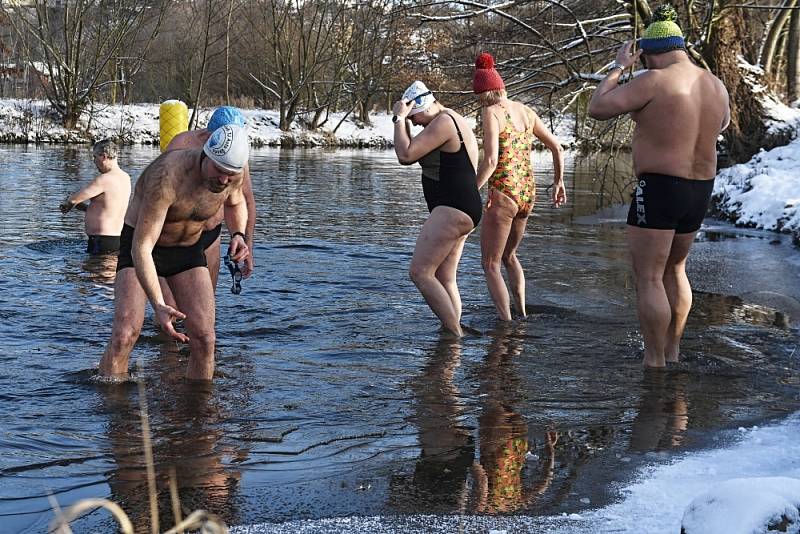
(174, 198)
(679, 110)
(193, 139)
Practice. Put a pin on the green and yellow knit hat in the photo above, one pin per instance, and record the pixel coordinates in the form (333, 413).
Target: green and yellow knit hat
(663, 34)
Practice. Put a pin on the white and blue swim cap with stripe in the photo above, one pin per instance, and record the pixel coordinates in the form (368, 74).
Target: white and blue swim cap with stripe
(228, 147)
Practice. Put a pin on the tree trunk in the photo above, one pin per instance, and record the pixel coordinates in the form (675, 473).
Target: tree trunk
(746, 133)
(793, 61)
(771, 41)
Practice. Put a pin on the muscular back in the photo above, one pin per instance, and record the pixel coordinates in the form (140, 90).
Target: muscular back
(172, 189)
(677, 130)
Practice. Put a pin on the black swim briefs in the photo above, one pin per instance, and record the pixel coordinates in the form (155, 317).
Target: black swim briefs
(102, 244)
(208, 237)
(169, 260)
(664, 202)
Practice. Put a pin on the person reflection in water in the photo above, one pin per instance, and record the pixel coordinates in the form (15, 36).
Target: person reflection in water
(447, 477)
(663, 414)
(188, 441)
(501, 484)
(448, 153)
(447, 446)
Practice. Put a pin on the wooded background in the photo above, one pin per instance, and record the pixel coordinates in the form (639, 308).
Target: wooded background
(307, 59)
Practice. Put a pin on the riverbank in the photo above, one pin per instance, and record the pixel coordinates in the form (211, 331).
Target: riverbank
(27, 121)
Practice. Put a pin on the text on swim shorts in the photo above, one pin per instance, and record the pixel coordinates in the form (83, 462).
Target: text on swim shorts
(640, 213)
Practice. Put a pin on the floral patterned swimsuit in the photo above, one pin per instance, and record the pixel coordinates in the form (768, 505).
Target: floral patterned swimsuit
(514, 175)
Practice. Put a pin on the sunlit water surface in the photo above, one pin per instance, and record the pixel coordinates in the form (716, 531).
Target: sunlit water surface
(335, 395)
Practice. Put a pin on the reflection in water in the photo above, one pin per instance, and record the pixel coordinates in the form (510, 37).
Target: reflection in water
(447, 447)
(501, 482)
(663, 415)
(101, 268)
(185, 421)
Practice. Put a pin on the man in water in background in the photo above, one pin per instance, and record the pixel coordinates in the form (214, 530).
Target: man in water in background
(679, 110)
(211, 235)
(108, 196)
(174, 198)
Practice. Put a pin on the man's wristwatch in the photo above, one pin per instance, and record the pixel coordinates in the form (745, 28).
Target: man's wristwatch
(616, 65)
(234, 234)
(395, 118)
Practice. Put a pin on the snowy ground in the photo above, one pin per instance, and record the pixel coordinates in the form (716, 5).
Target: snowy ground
(31, 121)
(765, 191)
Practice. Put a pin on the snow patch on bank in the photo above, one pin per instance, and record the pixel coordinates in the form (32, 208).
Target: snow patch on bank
(34, 121)
(765, 191)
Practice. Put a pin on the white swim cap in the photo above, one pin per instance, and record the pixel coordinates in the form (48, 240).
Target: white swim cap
(422, 97)
(228, 147)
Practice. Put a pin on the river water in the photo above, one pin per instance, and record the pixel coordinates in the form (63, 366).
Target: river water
(335, 395)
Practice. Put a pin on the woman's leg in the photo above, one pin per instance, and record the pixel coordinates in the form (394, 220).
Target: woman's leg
(441, 232)
(447, 272)
(497, 221)
(516, 276)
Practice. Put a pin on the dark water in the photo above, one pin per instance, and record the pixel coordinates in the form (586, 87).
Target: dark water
(335, 395)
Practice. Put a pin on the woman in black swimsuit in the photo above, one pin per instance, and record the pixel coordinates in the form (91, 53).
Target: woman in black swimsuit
(448, 153)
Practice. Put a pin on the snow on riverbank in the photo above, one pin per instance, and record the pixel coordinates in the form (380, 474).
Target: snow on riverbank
(764, 192)
(24, 121)
(32, 121)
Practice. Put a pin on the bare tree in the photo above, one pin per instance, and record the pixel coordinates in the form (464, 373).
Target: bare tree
(297, 41)
(77, 41)
(793, 58)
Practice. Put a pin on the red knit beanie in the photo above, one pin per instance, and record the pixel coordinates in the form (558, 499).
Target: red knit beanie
(486, 77)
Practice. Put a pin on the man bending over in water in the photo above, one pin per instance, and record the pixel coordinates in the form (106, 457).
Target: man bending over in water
(174, 197)
(211, 241)
(108, 196)
(679, 110)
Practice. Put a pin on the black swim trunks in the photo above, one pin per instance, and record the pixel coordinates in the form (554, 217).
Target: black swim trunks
(664, 202)
(448, 179)
(208, 237)
(169, 260)
(102, 244)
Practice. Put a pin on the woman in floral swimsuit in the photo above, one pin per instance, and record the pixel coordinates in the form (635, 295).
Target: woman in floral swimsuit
(509, 130)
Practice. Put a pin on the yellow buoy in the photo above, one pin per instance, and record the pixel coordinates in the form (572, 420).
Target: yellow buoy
(173, 118)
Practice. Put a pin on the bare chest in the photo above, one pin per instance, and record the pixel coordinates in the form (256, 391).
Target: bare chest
(199, 208)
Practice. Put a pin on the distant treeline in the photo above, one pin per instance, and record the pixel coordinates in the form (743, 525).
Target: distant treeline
(309, 58)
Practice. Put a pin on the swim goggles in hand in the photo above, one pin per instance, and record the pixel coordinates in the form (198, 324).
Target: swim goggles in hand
(236, 274)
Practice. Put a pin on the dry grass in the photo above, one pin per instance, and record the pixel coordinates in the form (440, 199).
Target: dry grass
(206, 522)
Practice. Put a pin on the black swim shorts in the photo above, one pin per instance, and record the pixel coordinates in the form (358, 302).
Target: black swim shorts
(664, 202)
(102, 244)
(208, 237)
(169, 260)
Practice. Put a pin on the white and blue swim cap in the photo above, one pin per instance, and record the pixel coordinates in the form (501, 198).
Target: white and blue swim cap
(228, 147)
(420, 95)
(225, 115)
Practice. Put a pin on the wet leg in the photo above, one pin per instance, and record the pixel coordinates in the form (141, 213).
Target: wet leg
(129, 303)
(169, 300)
(195, 298)
(516, 276)
(649, 252)
(447, 273)
(441, 232)
(213, 261)
(497, 222)
(679, 293)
